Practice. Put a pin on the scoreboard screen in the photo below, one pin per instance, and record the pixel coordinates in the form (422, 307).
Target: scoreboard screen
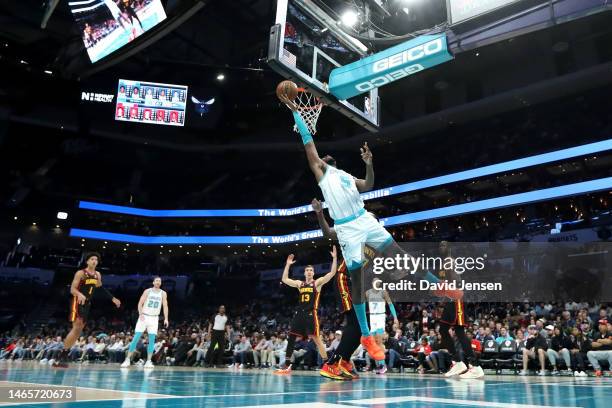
(150, 102)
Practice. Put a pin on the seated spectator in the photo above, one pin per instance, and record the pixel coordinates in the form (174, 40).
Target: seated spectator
(503, 336)
(201, 351)
(258, 350)
(559, 348)
(535, 347)
(280, 349)
(394, 350)
(299, 350)
(476, 345)
(601, 347)
(580, 345)
(8, 350)
(76, 351)
(422, 351)
(242, 350)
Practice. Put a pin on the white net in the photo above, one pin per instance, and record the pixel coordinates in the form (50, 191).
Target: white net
(309, 107)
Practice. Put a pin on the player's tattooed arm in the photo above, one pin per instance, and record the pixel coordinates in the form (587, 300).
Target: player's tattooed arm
(328, 231)
(286, 280)
(334, 268)
(368, 183)
(74, 291)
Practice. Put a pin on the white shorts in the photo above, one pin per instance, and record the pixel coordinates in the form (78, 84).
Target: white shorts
(354, 234)
(377, 323)
(149, 324)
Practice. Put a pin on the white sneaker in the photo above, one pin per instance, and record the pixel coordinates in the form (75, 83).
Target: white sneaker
(231, 366)
(541, 373)
(456, 369)
(43, 361)
(583, 374)
(126, 363)
(149, 364)
(576, 374)
(51, 362)
(473, 373)
(241, 366)
(523, 372)
(554, 372)
(140, 363)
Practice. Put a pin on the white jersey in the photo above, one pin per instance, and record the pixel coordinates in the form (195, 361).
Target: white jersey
(340, 193)
(376, 301)
(153, 302)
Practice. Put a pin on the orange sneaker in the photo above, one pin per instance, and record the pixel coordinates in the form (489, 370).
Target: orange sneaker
(283, 370)
(598, 373)
(348, 369)
(372, 348)
(333, 372)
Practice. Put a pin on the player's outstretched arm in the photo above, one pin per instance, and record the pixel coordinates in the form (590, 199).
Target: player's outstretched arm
(317, 166)
(328, 231)
(368, 183)
(290, 282)
(334, 267)
(165, 306)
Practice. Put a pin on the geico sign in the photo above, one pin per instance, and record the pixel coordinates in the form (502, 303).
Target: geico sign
(399, 59)
(387, 78)
(407, 56)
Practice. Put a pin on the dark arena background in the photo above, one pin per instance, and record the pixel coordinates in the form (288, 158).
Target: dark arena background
(175, 230)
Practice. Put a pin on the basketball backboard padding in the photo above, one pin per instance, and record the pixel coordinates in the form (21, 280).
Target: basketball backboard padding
(389, 65)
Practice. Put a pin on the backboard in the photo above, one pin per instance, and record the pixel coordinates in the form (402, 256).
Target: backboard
(306, 44)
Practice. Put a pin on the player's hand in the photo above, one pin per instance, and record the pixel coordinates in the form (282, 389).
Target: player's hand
(290, 259)
(117, 302)
(141, 318)
(333, 252)
(366, 154)
(288, 102)
(316, 205)
(166, 323)
(81, 299)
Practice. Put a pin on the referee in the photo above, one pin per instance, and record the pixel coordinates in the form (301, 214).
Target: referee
(219, 326)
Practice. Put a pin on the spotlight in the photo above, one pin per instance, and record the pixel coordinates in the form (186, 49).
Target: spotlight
(61, 215)
(349, 18)
(220, 77)
(48, 72)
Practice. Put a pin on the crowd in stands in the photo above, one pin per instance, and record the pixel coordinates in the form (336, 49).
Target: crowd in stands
(570, 338)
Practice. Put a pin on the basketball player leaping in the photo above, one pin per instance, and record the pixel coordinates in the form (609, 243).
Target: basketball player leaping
(83, 287)
(352, 224)
(305, 323)
(149, 306)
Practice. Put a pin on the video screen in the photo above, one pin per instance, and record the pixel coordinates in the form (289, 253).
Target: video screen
(149, 102)
(107, 25)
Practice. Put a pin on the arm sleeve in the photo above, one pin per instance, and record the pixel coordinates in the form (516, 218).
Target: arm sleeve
(107, 293)
(393, 312)
(302, 128)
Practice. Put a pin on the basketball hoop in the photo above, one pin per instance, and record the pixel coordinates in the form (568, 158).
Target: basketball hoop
(308, 106)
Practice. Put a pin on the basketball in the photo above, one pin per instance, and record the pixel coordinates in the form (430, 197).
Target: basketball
(287, 89)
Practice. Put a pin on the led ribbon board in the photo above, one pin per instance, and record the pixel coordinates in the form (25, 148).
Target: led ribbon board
(512, 165)
(453, 210)
(389, 65)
